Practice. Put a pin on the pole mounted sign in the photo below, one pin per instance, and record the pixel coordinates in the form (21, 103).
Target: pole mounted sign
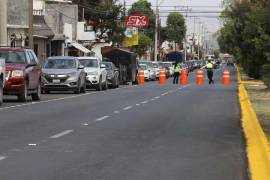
(137, 20)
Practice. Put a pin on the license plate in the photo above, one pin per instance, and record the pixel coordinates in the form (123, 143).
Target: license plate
(56, 81)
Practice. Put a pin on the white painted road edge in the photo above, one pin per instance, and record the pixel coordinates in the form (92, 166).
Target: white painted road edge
(102, 118)
(2, 158)
(127, 108)
(61, 134)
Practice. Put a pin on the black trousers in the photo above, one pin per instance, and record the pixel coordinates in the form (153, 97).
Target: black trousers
(210, 75)
(176, 78)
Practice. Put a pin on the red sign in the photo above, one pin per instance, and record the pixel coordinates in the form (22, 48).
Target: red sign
(91, 22)
(137, 20)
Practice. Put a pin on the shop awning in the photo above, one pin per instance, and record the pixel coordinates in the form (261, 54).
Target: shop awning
(80, 47)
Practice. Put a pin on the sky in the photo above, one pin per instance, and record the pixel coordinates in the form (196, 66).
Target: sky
(201, 7)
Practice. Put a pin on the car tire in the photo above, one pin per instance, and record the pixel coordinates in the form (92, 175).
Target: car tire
(37, 96)
(83, 89)
(1, 92)
(22, 97)
(78, 89)
(99, 86)
(105, 85)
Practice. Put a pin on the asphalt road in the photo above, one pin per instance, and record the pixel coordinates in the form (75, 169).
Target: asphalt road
(149, 132)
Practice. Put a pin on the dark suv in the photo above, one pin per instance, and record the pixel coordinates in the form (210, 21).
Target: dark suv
(23, 73)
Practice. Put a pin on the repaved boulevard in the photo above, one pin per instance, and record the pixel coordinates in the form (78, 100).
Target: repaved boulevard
(147, 132)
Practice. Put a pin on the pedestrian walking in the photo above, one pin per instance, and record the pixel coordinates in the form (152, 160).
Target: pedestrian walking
(176, 73)
(210, 72)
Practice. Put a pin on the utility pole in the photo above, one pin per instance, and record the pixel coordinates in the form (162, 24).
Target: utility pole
(3, 22)
(156, 33)
(30, 24)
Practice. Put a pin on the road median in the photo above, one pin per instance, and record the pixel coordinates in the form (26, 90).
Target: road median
(258, 150)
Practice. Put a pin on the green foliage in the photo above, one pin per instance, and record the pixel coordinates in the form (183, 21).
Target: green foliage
(144, 43)
(144, 7)
(246, 34)
(266, 74)
(176, 28)
(106, 14)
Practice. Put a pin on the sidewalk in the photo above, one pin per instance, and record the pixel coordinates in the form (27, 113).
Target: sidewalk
(260, 99)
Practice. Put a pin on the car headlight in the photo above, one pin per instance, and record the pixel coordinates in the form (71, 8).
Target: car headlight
(17, 73)
(92, 73)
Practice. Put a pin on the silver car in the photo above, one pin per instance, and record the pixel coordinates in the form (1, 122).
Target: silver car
(63, 74)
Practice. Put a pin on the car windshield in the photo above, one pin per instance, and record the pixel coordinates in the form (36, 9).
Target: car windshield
(155, 65)
(108, 66)
(89, 62)
(60, 64)
(13, 56)
(143, 66)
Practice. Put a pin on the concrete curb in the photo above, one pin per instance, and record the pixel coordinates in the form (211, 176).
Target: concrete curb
(258, 150)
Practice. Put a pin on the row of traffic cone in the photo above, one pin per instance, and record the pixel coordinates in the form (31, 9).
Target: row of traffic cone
(184, 77)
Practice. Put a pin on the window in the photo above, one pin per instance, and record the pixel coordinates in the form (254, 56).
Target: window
(32, 58)
(36, 49)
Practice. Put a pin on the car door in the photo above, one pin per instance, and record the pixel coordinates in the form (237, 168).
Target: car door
(103, 71)
(33, 70)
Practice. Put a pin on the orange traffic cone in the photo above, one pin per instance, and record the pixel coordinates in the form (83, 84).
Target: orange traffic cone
(141, 77)
(226, 80)
(184, 79)
(200, 79)
(162, 76)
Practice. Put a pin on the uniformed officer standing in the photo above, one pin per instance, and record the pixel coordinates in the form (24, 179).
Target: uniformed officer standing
(176, 73)
(210, 72)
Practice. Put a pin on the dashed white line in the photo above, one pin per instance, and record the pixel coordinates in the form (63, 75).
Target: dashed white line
(116, 112)
(153, 99)
(138, 104)
(102, 118)
(157, 97)
(164, 93)
(31, 144)
(127, 108)
(85, 124)
(144, 102)
(61, 134)
(2, 158)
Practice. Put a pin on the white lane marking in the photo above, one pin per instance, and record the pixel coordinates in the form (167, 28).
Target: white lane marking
(164, 93)
(31, 144)
(144, 102)
(127, 108)
(153, 99)
(116, 112)
(102, 118)
(138, 104)
(61, 134)
(59, 99)
(157, 97)
(85, 124)
(2, 158)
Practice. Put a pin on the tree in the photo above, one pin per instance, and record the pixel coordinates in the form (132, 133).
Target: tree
(106, 15)
(144, 43)
(176, 27)
(144, 7)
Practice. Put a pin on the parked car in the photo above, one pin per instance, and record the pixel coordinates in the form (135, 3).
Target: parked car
(63, 73)
(156, 69)
(23, 73)
(169, 68)
(2, 78)
(96, 73)
(112, 74)
(145, 70)
(149, 67)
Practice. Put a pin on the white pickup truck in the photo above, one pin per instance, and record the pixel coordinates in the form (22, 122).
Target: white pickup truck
(96, 73)
(2, 78)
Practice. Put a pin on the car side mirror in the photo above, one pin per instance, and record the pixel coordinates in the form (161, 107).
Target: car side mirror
(81, 67)
(102, 66)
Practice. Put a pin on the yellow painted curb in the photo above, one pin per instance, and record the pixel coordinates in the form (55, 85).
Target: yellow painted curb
(258, 150)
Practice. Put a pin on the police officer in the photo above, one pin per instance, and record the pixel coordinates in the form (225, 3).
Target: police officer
(210, 73)
(176, 73)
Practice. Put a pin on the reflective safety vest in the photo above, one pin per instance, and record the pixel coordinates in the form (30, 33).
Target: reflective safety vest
(177, 69)
(209, 66)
